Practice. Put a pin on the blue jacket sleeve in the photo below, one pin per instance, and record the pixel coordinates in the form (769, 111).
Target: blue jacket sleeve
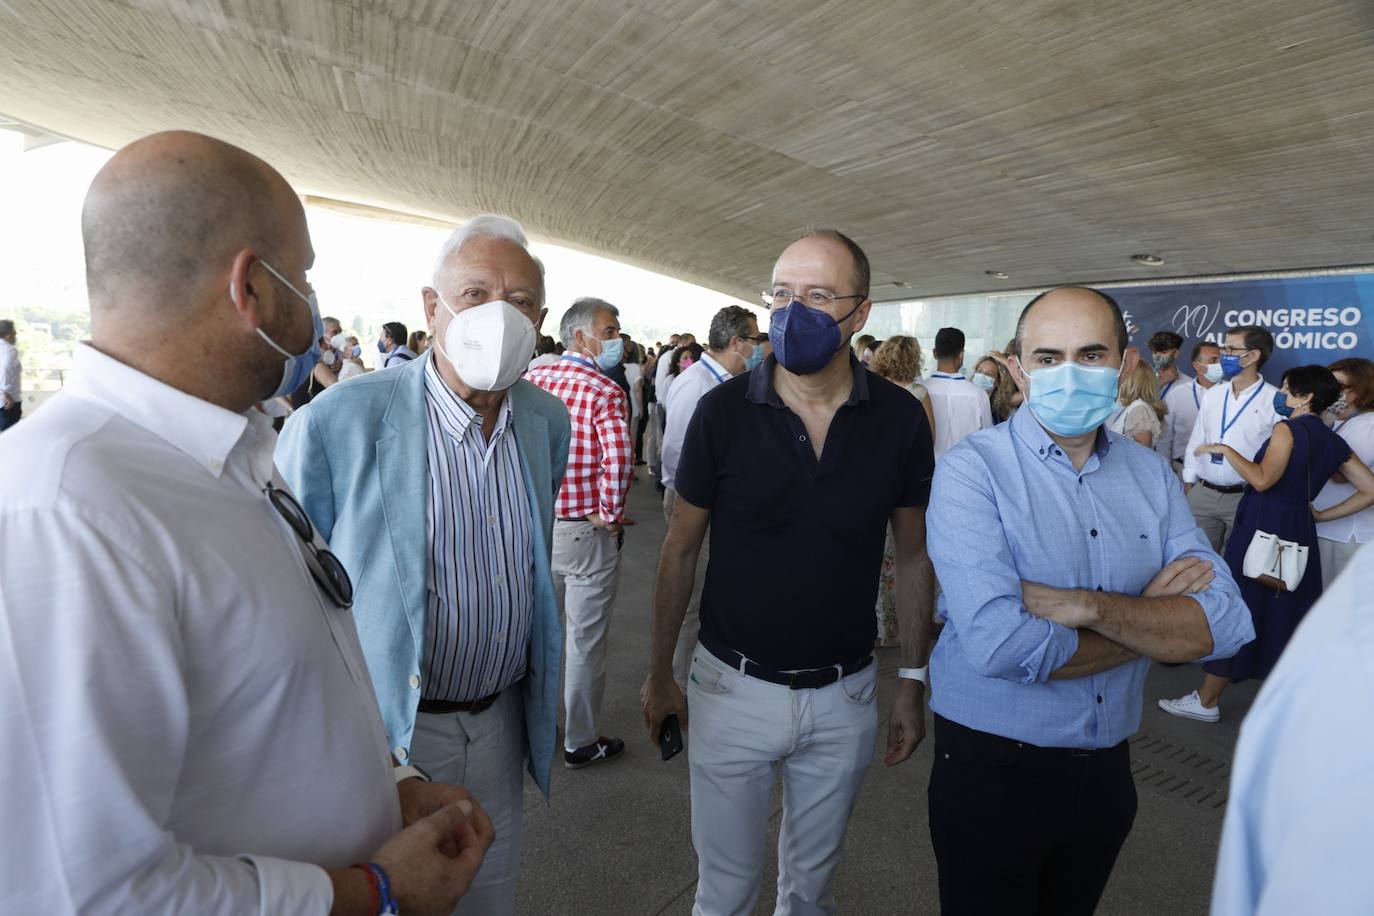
(303, 462)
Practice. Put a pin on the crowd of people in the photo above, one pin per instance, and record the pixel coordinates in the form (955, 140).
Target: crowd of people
(327, 700)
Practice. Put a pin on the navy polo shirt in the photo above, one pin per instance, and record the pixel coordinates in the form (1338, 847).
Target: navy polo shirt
(796, 544)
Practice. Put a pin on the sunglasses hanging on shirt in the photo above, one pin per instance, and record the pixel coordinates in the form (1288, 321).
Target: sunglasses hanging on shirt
(326, 569)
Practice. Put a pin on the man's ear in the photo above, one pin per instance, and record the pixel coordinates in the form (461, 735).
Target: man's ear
(539, 325)
(242, 293)
(431, 300)
(1129, 360)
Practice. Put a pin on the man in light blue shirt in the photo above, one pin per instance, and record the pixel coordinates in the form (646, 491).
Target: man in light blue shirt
(1301, 819)
(1068, 558)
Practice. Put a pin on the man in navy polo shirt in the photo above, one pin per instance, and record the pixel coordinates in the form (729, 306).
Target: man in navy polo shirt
(798, 467)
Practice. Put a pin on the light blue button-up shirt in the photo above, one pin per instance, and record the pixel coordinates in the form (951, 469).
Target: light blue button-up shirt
(1299, 825)
(1006, 505)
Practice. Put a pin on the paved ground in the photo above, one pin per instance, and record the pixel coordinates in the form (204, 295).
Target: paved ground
(616, 838)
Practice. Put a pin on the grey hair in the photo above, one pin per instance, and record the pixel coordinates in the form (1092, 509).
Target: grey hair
(486, 226)
(731, 321)
(580, 316)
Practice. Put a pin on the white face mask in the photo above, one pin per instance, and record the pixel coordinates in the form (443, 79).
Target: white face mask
(489, 345)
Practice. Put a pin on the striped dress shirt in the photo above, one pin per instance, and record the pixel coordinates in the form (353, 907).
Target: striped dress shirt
(481, 593)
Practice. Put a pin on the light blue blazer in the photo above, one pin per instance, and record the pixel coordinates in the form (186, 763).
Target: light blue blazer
(357, 459)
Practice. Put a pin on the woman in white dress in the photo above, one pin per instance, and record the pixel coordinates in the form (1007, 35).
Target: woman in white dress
(1141, 414)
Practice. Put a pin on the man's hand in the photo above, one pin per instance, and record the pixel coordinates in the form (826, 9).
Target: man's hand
(1210, 449)
(1066, 606)
(432, 862)
(8, 402)
(1184, 576)
(906, 727)
(600, 522)
(659, 698)
(420, 799)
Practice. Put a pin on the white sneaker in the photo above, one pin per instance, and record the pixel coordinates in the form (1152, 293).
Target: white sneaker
(1190, 707)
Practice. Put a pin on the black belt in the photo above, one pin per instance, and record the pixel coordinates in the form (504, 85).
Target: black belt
(444, 707)
(582, 519)
(962, 734)
(1211, 486)
(795, 680)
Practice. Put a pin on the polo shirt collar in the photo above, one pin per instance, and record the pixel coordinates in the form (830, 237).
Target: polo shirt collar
(721, 373)
(1033, 436)
(761, 390)
(456, 416)
(205, 432)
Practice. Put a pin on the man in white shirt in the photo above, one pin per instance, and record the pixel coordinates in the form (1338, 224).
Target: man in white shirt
(1239, 413)
(11, 406)
(734, 346)
(1183, 397)
(186, 719)
(1298, 826)
(961, 407)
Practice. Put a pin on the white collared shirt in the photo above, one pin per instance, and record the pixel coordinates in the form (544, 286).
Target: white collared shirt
(185, 721)
(10, 371)
(689, 388)
(1249, 419)
(1184, 400)
(1358, 432)
(960, 407)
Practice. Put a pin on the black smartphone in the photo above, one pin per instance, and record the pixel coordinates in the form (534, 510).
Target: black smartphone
(670, 738)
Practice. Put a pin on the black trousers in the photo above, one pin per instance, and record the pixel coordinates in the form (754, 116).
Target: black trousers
(1019, 829)
(10, 415)
(641, 424)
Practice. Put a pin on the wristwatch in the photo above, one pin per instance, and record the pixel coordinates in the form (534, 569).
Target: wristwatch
(410, 771)
(916, 674)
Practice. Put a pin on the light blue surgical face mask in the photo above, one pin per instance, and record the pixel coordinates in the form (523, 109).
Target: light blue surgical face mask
(612, 352)
(1071, 399)
(751, 362)
(296, 368)
(1215, 373)
(985, 382)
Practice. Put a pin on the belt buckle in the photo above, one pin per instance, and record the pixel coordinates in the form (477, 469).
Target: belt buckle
(1081, 752)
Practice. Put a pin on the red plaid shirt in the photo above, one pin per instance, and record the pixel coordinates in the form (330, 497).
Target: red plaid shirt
(600, 454)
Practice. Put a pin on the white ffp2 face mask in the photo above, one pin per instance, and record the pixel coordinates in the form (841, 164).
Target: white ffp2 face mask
(489, 345)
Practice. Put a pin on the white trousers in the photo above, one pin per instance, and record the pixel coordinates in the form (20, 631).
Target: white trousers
(742, 732)
(485, 754)
(586, 568)
(1335, 555)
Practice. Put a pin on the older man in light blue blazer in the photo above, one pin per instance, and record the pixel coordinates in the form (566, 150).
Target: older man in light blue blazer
(435, 484)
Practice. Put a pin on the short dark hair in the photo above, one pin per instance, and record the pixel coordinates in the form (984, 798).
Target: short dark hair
(949, 342)
(1123, 336)
(6, 327)
(1317, 381)
(1162, 341)
(545, 345)
(1359, 371)
(1256, 338)
(731, 321)
(397, 332)
(862, 273)
(692, 349)
(1197, 348)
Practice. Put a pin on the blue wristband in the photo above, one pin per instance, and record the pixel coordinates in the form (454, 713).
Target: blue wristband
(388, 902)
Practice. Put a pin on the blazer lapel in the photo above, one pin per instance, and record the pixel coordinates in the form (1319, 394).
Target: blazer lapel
(403, 478)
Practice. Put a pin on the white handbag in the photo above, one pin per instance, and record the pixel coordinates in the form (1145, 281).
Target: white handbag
(1274, 562)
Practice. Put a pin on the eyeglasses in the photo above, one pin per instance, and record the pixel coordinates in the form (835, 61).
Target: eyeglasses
(756, 339)
(816, 298)
(326, 569)
(1234, 351)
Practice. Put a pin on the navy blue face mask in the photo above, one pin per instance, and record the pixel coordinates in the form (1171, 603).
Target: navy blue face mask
(1281, 405)
(805, 339)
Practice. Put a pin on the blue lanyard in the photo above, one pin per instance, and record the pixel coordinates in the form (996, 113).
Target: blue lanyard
(714, 374)
(1196, 401)
(957, 378)
(1165, 393)
(582, 361)
(1225, 405)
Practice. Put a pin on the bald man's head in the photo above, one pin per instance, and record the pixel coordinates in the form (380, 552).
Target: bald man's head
(166, 215)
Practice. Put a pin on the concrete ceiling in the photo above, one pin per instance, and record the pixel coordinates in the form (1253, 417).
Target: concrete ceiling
(1050, 139)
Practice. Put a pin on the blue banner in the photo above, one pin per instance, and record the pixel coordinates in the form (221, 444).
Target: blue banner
(1313, 319)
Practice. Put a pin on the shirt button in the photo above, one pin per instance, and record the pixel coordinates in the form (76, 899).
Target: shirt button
(1099, 698)
(415, 682)
(491, 520)
(400, 753)
(801, 438)
(1093, 532)
(216, 465)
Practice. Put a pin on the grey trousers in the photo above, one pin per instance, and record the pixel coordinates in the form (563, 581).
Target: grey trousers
(1215, 513)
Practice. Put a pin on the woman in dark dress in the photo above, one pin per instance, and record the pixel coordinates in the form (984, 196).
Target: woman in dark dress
(1289, 470)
